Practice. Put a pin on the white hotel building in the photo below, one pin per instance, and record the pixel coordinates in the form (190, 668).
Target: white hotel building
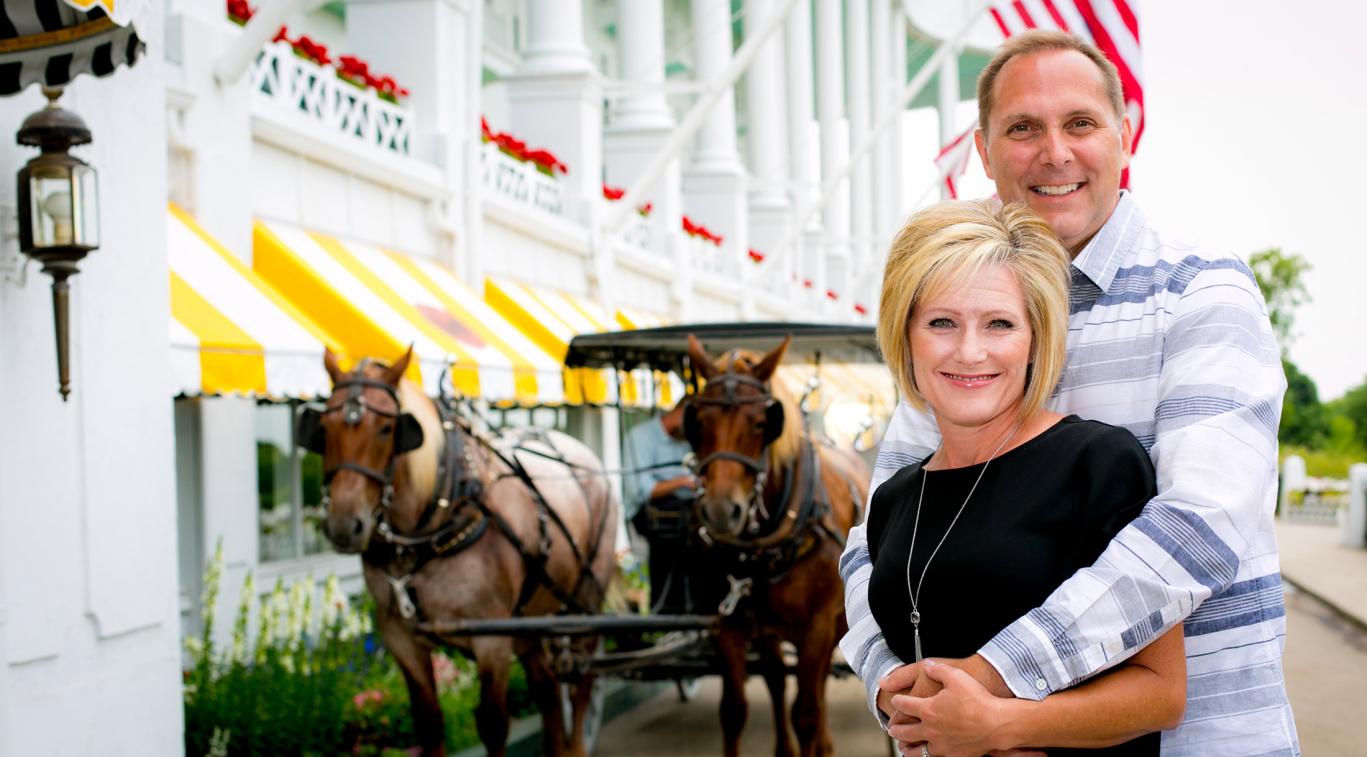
(289, 209)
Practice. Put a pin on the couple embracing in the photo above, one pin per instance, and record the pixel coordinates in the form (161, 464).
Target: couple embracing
(1070, 541)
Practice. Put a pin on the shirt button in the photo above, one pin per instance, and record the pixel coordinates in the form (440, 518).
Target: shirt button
(1040, 685)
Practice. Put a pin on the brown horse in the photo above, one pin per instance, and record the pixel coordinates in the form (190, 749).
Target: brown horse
(775, 506)
(452, 525)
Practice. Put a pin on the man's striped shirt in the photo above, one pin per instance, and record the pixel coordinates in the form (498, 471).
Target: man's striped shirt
(1173, 344)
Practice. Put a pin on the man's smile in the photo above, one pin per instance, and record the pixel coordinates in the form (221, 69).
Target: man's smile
(1054, 190)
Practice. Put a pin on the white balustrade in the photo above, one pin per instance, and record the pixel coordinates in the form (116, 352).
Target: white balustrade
(636, 231)
(710, 258)
(301, 86)
(521, 181)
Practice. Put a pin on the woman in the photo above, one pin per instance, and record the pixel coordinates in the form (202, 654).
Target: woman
(1016, 498)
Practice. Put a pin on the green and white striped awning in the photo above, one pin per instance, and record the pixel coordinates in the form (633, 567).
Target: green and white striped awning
(51, 42)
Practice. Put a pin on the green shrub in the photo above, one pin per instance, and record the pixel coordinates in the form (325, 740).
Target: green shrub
(312, 680)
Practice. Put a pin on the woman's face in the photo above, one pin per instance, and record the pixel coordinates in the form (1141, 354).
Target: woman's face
(970, 348)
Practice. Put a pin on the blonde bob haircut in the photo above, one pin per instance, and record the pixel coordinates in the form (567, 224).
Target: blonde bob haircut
(948, 245)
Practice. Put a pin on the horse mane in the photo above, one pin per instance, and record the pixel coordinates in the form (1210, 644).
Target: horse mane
(783, 451)
(422, 462)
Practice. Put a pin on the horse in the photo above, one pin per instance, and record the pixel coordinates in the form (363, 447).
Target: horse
(773, 511)
(452, 524)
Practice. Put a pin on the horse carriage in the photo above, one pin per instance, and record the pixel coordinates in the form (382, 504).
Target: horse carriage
(502, 542)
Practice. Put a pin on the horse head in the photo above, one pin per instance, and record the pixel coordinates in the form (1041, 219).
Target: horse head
(360, 433)
(733, 423)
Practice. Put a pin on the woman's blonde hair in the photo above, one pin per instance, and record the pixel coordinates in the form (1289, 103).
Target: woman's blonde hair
(947, 246)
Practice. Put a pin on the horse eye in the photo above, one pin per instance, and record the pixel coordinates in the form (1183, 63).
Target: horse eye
(387, 429)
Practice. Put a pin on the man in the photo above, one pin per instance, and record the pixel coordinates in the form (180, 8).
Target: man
(1171, 343)
(658, 492)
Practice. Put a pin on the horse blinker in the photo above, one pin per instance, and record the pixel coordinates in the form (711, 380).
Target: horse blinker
(309, 432)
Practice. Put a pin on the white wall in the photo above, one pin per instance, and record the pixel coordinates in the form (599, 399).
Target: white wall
(90, 659)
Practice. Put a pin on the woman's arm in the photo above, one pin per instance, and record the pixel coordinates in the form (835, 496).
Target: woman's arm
(1147, 693)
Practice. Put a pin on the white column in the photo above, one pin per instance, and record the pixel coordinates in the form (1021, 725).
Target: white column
(829, 269)
(639, 125)
(880, 18)
(714, 184)
(861, 179)
(803, 137)
(1353, 529)
(555, 100)
(765, 98)
(897, 30)
(715, 150)
(640, 46)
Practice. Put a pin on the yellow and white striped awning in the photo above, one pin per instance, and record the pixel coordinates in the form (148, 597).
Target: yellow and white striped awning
(379, 302)
(633, 318)
(230, 332)
(551, 319)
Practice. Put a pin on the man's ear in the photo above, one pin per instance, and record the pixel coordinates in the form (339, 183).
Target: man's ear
(1126, 140)
(980, 142)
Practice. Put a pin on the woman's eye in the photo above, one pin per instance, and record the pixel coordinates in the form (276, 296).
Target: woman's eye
(941, 323)
(1001, 323)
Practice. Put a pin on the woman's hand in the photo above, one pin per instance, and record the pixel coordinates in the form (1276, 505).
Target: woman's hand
(959, 721)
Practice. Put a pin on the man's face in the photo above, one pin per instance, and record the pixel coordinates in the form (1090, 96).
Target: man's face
(1054, 143)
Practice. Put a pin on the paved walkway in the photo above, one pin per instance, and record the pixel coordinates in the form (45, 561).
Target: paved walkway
(1314, 562)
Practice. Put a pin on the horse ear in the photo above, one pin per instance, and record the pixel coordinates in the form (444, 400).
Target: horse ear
(396, 370)
(770, 363)
(330, 363)
(697, 356)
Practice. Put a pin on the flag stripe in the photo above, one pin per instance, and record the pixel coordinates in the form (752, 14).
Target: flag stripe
(1024, 14)
(1054, 14)
(1127, 13)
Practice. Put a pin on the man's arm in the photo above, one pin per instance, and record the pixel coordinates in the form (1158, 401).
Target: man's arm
(911, 436)
(1215, 451)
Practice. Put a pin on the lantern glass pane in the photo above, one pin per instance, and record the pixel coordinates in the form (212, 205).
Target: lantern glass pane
(86, 213)
(51, 206)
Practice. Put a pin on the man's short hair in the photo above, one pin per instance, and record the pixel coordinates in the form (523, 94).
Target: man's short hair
(948, 245)
(1038, 41)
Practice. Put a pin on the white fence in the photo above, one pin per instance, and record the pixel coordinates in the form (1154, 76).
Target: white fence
(301, 86)
(1326, 502)
(521, 182)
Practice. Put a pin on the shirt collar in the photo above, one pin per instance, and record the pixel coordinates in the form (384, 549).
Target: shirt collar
(1102, 256)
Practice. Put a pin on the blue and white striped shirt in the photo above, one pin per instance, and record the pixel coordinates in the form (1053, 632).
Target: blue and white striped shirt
(1173, 344)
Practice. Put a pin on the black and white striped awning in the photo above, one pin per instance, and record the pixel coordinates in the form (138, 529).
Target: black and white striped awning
(51, 42)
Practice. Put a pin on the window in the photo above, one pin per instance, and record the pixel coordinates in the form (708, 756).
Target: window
(289, 485)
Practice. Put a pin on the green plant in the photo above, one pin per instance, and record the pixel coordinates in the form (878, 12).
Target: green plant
(311, 679)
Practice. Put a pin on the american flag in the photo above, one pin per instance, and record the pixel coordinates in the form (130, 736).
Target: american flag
(1111, 25)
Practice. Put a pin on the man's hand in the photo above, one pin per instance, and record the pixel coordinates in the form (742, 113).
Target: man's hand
(962, 720)
(907, 679)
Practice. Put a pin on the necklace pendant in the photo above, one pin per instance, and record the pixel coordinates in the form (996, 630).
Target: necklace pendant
(915, 617)
(916, 634)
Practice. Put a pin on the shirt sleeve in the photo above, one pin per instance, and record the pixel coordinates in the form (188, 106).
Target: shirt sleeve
(638, 484)
(1215, 451)
(911, 437)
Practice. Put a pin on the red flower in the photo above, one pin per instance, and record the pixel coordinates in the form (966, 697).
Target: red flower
(756, 255)
(312, 50)
(485, 132)
(831, 295)
(807, 283)
(281, 36)
(613, 193)
(860, 309)
(239, 11)
(644, 210)
(546, 160)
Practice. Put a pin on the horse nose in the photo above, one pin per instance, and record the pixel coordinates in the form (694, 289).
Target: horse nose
(346, 532)
(737, 514)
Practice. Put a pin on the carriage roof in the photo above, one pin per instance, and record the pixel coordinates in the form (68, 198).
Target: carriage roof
(665, 347)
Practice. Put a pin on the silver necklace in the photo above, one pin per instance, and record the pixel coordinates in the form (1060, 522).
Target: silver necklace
(915, 525)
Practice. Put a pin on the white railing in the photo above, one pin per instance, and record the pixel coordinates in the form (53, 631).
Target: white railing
(521, 182)
(636, 232)
(306, 88)
(710, 258)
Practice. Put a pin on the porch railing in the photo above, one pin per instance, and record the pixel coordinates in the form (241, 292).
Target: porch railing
(306, 88)
(521, 182)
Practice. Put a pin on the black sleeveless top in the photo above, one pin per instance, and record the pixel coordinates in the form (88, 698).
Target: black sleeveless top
(1042, 511)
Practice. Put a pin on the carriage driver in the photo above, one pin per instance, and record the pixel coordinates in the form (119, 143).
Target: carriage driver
(659, 490)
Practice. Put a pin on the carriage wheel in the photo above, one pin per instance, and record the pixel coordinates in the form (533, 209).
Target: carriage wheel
(593, 715)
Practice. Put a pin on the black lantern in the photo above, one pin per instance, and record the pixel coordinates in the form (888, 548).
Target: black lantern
(58, 209)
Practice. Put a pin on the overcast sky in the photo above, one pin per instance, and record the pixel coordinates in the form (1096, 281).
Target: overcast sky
(1257, 137)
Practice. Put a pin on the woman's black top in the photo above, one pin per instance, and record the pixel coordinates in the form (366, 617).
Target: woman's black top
(1042, 511)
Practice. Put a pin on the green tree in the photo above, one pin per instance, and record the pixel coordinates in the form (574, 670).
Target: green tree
(1352, 407)
(1280, 277)
(1304, 420)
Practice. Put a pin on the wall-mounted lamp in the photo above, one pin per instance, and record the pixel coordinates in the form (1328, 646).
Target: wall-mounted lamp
(58, 209)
